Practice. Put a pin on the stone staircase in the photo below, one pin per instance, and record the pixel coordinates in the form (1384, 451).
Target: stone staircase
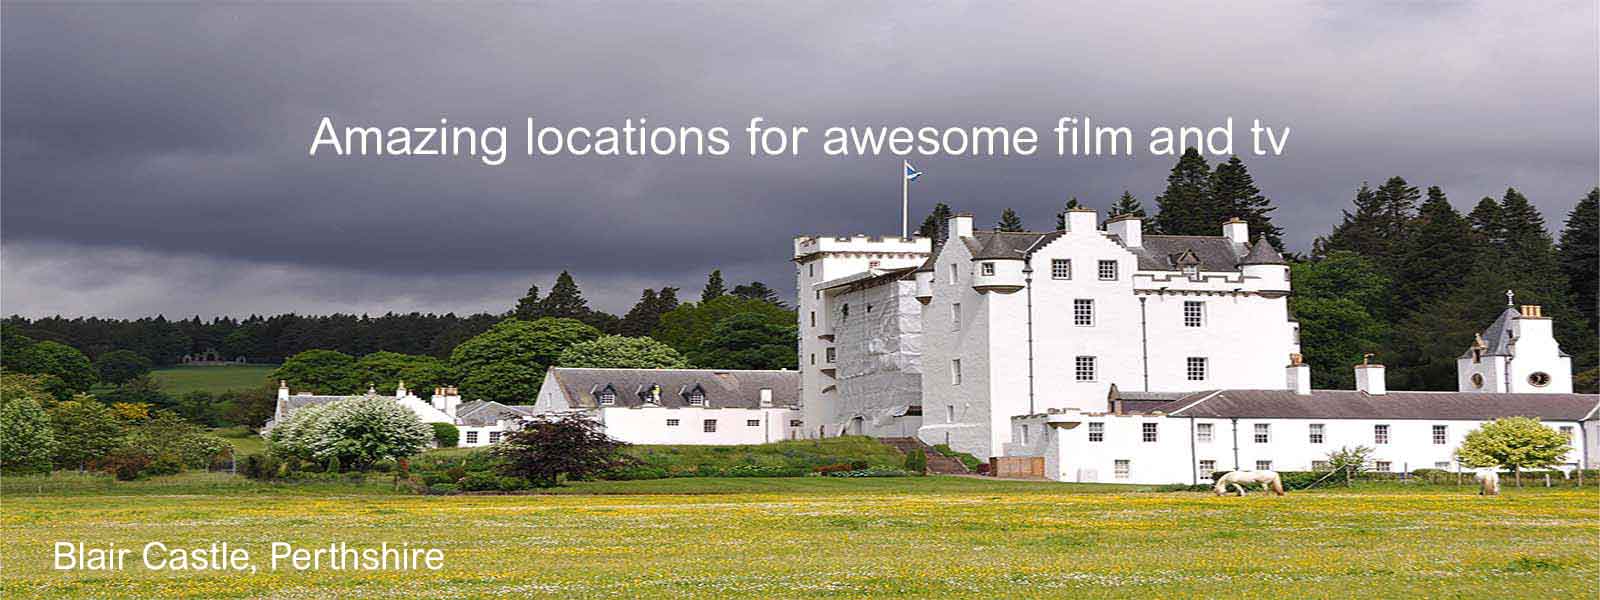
(938, 464)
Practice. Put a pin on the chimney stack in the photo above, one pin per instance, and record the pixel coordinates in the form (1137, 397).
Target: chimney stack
(1237, 231)
(960, 225)
(1369, 377)
(1082, 220)
(1128, 228)
(283, 389)
(1297, 376)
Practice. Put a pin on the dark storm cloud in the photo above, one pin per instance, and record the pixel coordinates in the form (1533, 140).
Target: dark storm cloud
(155, 157)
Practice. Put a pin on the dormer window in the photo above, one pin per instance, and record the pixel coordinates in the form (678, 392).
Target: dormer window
(651, 394)
(1192, 272)
(695, 396)
(607, 396)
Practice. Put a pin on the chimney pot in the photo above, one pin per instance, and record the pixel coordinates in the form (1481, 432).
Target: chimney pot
(1370, 379)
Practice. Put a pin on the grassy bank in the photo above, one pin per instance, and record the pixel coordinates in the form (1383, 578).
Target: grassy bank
(793, 537)
(182, 380)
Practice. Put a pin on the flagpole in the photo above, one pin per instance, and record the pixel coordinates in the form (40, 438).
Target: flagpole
(905, 200)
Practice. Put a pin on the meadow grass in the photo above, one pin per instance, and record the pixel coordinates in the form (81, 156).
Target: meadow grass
(178, 381)
(813, 536)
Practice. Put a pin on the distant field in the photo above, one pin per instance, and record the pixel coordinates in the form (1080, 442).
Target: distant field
(924, 537)
(182, 380)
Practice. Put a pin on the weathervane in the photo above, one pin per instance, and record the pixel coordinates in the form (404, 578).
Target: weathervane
(1509, 298)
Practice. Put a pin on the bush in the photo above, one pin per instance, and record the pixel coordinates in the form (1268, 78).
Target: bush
(859, 464)
(165, 464)
(545, 450)
(443, 489)
(333, 465)
(361, 431)
(971, 462)
(259, 466)
(126, 463)
(446, 435)
(480, 481)
(917, 462)
(831, 469)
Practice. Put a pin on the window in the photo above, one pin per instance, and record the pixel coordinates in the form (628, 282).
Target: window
(988, 268)
(813, 318)
(1477, 380)
(472, 437)
(1083, 368)
(844, 312)
(1194, 313)
(1263, 433)
(752, 423)
(1566, 430)
(1147, 432)
(1440, 434)
(1442, 465)
(698, 398)
(1207, 467)
(1263, 465)
(672, 422)
(811, 270)
(608, 398)
(1196, 368)
(955, 371)
(494, 437)
(813, 358)
(955, 273)
(1539, 379)
(796, 423)
(955, 316)
(873, 264)
(1192, 272)
(1122, 468)
(829, 354)
(1060, 268)
(1380, 434)
(1321, 465)
(710, 426)
(1108, 270)
(950, 414)
(1097, 432)
(1316, 433)
(1083, 312)
(766, 397)
(1203, 433)
(1383, 466)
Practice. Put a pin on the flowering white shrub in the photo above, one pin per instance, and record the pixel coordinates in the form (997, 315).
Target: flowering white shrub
(359, 431)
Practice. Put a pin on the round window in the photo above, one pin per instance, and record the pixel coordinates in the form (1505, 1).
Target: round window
(1477, 380)
(1539, 379)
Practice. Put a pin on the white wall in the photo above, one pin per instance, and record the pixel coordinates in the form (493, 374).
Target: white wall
(1174, 459)
(650, 425)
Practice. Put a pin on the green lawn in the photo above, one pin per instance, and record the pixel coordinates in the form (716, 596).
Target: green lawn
(804, 537)
(181, 380)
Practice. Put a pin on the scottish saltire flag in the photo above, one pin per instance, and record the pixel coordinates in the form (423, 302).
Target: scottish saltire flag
(911, 172)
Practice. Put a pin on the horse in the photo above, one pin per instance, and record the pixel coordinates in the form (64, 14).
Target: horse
(1269, 480)
(1488, 482)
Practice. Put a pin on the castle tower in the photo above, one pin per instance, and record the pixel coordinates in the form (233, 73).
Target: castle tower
(1517, 354)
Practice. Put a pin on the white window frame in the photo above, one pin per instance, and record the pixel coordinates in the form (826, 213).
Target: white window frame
(708, 426)
(1207, 468)
(1316, 433)
(955, 371)
(494, 436)
(1441, 434)
(1061, 268)
(955, 273)
(697, 399)
(752, 422)
(1149, 433)
(950, 413)
(1380, 434)
(1097, 431)
(1196, 368)
(471, 437)
(1083, 312)
(1321, 465)
(1383, 466)
(1263, 465)
(608, 399)
(673, 422)
(1122, 468)
(1262, 433)
(1107, 270)
(1194, 313)
(1085, 369)
(1204, 433)
(955, 316)
(829, 355)
(988, 269)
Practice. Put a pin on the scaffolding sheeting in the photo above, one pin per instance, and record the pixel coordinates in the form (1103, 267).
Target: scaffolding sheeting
(879, 352)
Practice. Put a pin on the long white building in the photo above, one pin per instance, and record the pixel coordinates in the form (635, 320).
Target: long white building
(678, 406)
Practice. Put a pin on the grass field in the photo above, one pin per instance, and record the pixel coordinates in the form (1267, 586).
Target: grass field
(905, 537)
(181, 380)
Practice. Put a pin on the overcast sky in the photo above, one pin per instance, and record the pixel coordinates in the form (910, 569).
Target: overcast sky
(154, 157)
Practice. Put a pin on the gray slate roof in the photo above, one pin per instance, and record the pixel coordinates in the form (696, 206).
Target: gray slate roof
(1216, 253)
(1262, 253)
(1498, 335)
(1156, 253)
(1007, 244)
(483, 413)
(722, 388)
(1351, 404)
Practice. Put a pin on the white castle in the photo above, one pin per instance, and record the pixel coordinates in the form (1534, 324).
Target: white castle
(1033, 344)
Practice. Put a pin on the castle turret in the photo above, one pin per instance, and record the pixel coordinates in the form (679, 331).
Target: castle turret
(1267, 269)
(1517, 354)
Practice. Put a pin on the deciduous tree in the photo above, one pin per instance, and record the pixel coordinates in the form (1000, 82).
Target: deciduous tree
(619, 352)
(548, 450)
(321, 372)
(1515, 443)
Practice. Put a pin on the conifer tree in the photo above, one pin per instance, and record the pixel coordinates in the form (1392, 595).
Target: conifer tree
(565, 300)
(1184, 208)
(1580, 255)
(1436, 258)
(1485, 220)
(667, 299)
(1377, 226)
(714, 287)
(1127, 205)
(1009, 221)
(1528, 246)
(643, 317)
(529, 307)
(933, 225)
(1061, 217)
(1234, 195)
